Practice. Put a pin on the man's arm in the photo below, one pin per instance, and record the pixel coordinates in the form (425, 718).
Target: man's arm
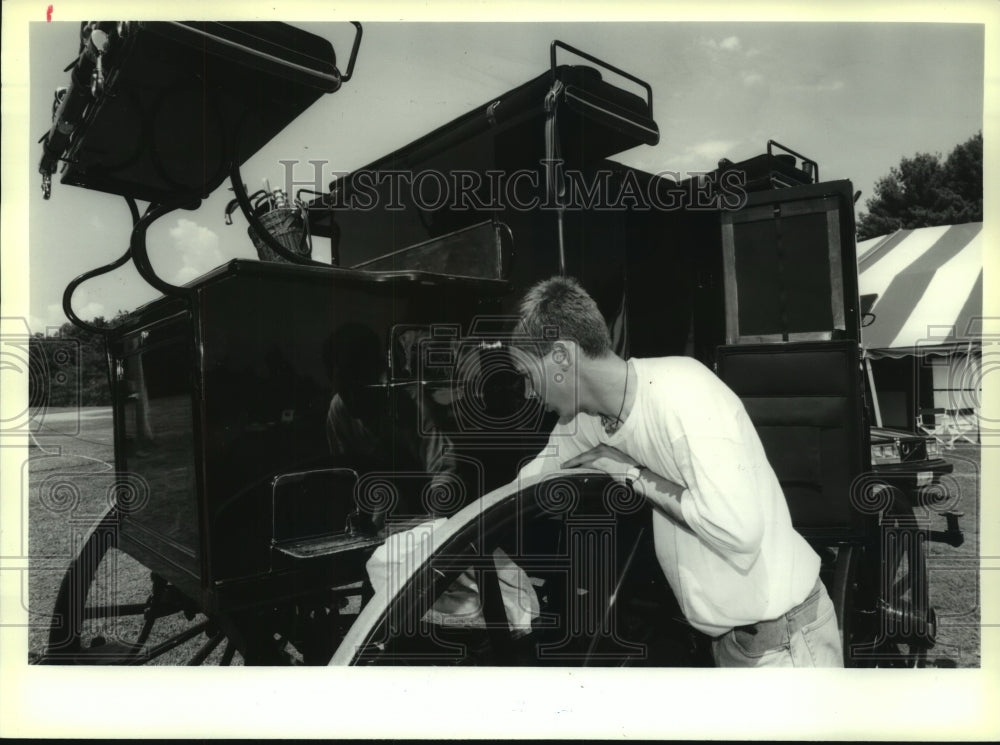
(716, 503)
(662, 492)
(567, 440)
(722, 504)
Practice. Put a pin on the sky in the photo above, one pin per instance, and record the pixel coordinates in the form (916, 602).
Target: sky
(855, 97)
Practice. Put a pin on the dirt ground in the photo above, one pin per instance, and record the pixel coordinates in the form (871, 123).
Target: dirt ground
(69, 473)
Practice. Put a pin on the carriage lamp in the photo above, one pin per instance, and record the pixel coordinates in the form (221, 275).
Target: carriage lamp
(888, 453)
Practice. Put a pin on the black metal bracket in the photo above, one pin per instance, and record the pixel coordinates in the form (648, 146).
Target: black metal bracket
(137, 250)
(140, 255)
(354, 53)
(809, 166)
(591, 58)
(953, 535)
(67, 299)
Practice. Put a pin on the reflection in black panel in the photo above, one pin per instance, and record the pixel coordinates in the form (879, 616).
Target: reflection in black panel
(159, 438)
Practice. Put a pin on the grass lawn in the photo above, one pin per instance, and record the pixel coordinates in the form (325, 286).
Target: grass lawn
(954, 572)
(70, 476)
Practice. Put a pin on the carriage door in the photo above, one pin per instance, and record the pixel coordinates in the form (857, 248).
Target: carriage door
(791, 350)
(156, 444)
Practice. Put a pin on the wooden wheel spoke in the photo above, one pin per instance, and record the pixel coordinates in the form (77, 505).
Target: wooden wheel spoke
(207, 648)
(171, 643)
(147, 628)
(228, 652)
(99, 617)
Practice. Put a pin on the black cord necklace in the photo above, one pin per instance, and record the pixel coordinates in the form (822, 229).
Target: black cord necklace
(611, 426)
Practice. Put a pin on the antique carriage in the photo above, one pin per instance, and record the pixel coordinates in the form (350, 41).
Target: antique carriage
(257, 524)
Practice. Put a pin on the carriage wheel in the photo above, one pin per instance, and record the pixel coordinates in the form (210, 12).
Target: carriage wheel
(98, 620)
(908, 623)
(887, 619)
(843, 588)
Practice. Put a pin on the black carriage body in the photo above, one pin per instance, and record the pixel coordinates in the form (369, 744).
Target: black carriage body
(491, 164)
(238, 392)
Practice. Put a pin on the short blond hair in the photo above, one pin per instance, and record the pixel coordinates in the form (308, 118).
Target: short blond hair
(559, 308)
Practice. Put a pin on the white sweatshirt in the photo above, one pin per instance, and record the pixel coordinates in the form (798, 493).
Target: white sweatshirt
(740, 561)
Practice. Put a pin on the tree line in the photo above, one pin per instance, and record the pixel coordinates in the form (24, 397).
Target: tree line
(70, 367)
(927, 190)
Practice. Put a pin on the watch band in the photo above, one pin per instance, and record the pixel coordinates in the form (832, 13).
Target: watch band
(632, 474)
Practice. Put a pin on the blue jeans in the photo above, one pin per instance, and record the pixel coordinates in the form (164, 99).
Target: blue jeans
(805, 636)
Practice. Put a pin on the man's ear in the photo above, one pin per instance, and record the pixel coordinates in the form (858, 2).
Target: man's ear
(564, 353)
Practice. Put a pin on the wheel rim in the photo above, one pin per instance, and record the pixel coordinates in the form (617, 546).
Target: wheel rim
(903, 621)
(101, 619)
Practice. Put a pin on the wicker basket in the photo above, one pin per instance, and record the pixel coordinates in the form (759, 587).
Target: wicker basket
(286, 226)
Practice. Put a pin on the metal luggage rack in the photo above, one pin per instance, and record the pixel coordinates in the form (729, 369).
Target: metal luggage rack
(773, 170)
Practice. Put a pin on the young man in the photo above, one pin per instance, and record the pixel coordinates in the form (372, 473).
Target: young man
(721, 526)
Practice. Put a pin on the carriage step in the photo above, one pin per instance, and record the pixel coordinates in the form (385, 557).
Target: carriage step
(327, 545)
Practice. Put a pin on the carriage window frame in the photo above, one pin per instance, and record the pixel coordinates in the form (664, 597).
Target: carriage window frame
(828, 206)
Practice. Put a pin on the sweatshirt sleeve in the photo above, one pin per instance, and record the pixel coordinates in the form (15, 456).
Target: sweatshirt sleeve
(720, 502)
(566, 440)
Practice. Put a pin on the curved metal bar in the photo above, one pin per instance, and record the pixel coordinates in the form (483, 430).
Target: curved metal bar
(207, 649)
(808, 165)
(553, 157)
(133, 209)
(506, 258)
(332, 80)
(615, 594)
(263, 233)
(354, 53)
(64, 631)
(140, 256)
(175, 641)
(591, 58)
(67, 299)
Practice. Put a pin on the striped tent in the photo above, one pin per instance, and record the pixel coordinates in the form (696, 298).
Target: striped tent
(929, 283)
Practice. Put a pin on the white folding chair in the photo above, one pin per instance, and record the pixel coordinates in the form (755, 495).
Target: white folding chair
(934, 422)
(962, 424)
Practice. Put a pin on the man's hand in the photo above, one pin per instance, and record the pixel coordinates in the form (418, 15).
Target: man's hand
(604, 458)
(663, 493)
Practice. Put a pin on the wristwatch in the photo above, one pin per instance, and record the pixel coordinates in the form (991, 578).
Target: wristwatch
(632, 474)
